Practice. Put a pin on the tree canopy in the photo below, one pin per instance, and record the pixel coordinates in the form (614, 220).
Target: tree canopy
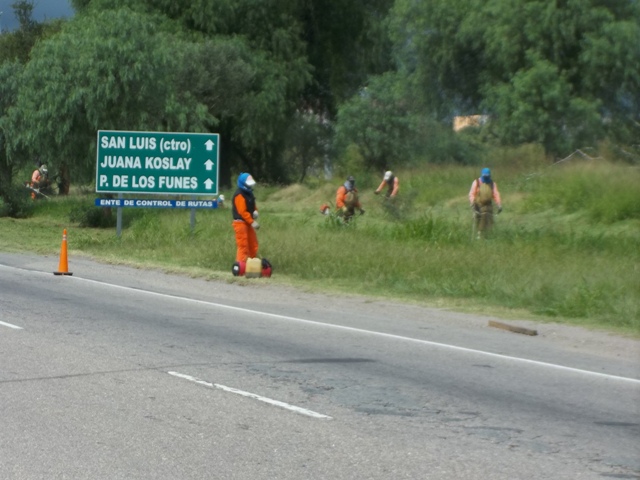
(308, 54)
(112, 70)
(554, 72)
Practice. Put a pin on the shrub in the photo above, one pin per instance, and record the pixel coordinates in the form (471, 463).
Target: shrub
(92, 217)
(17, 203)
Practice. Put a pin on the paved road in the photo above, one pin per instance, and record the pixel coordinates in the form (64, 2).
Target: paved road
(118, 373)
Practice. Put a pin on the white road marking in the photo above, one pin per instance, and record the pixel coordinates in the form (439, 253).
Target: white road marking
(10, 325)
(352, 329)
(277, 403)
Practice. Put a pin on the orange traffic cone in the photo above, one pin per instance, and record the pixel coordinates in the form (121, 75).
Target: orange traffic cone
(63, 266)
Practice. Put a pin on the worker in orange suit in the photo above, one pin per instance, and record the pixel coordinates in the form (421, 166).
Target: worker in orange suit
(391, 182)
(347, 199)
(245, 214)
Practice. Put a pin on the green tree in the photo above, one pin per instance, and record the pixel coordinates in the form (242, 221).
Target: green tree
(253, 131)
(381, 122)
(346, 42)
(537, 105)
(16, 45)
(611, 66)
(305, 53)
(308, 143)
(495, 56)
(10, 74)
(15, 48)
(113, 70)
(390, 130)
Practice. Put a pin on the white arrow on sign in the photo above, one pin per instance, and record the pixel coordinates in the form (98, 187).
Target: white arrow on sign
(209, 144)
(209, 164)
(208, 183)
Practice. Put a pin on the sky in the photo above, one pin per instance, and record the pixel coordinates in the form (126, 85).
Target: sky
(44, 10)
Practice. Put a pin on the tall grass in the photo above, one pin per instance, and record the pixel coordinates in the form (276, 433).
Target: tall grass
(562, 249)
(433, 258)
(605, 193)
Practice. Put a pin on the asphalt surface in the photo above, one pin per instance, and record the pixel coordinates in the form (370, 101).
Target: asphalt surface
(120, 373)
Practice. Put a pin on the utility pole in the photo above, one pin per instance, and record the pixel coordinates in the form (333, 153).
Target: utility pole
(1, 22)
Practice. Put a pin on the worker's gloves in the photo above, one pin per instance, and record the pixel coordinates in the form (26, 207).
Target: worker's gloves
(376, 192)
(361, 211)
(255, 225)
(255, 215)
(499, 208)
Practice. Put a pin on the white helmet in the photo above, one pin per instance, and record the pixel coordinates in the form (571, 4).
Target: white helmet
(221, 198)
(388, 174)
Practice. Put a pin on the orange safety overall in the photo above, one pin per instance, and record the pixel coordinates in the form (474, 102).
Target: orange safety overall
(243, 205)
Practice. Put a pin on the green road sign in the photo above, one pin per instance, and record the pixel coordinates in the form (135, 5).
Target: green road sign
(157, 162)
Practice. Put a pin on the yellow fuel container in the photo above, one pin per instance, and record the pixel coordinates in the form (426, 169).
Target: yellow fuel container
(254, 268)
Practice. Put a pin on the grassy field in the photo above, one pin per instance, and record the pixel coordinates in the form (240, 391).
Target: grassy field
(566, 248)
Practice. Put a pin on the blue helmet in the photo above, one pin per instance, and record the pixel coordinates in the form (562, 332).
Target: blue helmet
(485, 172)
(246, 182)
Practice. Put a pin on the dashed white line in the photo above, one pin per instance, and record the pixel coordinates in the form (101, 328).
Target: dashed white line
(277, 403)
